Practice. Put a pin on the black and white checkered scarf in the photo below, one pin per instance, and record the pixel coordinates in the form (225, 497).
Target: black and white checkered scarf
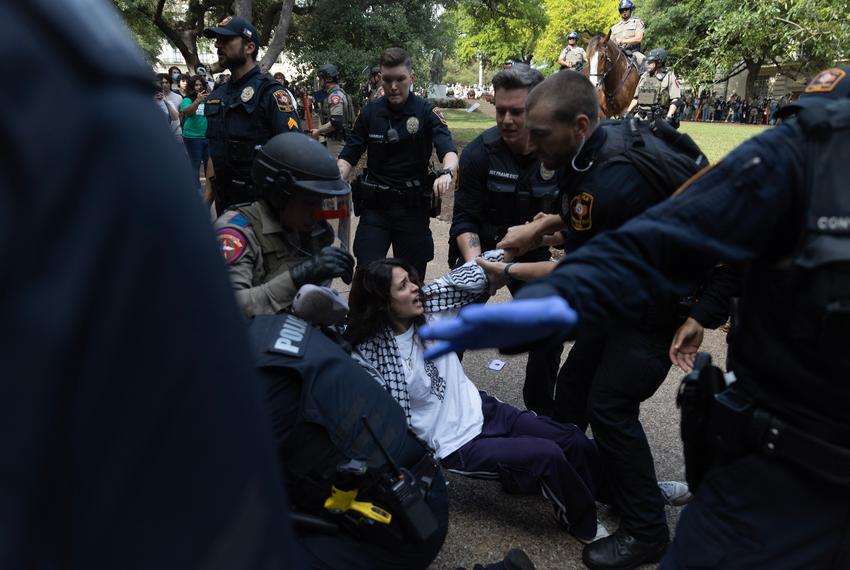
(460, 286)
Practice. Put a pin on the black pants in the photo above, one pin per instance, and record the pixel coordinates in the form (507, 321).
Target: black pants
(603, 382)
(758, 513)
(541, 372)
(407, 229)
(344, 551)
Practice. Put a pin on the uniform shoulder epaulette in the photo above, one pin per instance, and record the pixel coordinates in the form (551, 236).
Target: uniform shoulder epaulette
(239, 220)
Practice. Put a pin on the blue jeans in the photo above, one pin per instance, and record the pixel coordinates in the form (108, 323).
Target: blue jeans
(199, 153)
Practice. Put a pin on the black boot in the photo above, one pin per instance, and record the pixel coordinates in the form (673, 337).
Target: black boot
(621, 551)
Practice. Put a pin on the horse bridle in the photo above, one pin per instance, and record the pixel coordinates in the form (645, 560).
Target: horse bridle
(609, 95)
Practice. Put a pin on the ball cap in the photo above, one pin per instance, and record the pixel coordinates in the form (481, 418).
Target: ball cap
(233, 26)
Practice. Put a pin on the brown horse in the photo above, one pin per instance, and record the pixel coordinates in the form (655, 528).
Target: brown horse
(613, 73)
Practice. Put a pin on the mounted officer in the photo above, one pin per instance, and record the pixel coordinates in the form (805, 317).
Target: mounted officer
(572, 56)
(658, 91)
(242, 113)
(628, 32)
(277, 244)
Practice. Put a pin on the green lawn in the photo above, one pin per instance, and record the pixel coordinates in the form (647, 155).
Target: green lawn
(715, 139)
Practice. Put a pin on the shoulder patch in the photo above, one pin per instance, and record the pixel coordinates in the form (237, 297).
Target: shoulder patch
(825, 81)
(232, 243)
(335, 99)
(292, 124)
(581, 208)
(439, 115)
(282, 100)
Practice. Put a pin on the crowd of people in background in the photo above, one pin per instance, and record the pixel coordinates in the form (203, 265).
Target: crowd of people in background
(712, 108)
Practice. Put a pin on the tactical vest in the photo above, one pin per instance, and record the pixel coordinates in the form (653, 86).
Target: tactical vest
(654, 92)
(574, 55)
(515, 194)
(335, 395)
(278, 255)
(795, 315)
(347, 106)
(234, 129)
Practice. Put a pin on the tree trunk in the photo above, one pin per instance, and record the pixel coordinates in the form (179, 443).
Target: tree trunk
(281, 31)
(753, 68)
(244, 9)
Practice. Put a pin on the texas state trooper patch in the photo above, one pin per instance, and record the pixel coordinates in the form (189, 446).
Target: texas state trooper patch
(336, 100)
(412, 125)
(581, 208)
(232, 244)
(282, 101)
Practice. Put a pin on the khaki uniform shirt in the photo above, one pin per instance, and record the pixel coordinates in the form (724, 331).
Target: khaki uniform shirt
(657, 90)
(259, 251)
(627, 30)
(574, 55)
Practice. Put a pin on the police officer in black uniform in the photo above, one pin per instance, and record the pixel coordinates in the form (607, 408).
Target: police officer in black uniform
(366, 492)
(775, 478)
(502, 184)
(607, 373)
(397, 196)
(122, 347)
(242, 113)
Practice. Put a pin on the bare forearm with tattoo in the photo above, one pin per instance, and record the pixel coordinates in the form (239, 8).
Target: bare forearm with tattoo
(470, 245)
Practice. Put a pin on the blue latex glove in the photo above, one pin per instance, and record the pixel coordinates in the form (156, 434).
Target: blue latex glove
(500, 326)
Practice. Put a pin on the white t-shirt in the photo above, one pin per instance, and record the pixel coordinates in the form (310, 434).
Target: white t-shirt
(445, 406)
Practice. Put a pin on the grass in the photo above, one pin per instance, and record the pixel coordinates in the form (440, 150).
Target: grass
(715, 139)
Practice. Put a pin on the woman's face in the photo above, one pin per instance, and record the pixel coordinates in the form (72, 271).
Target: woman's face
(405, 302)
(200, 87)
(183, 83)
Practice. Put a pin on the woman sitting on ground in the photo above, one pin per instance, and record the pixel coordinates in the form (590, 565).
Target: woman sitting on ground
(472, 432)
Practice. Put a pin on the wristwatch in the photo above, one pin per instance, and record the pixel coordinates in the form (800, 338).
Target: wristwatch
(441, 171)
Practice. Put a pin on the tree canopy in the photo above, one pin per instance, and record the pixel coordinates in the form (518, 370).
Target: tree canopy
(586, 17)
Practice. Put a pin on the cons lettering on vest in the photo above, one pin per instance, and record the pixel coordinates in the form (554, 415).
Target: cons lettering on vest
(290, 339)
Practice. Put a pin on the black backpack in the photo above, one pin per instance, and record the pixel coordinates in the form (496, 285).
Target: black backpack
(665, 157)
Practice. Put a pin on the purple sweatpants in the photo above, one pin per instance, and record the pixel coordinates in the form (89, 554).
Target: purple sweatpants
(531, 454)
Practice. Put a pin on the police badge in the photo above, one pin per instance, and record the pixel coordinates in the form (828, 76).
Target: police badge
(247, 94)
(412, 125)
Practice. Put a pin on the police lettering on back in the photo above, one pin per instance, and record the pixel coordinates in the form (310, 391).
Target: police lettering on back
(291, 338)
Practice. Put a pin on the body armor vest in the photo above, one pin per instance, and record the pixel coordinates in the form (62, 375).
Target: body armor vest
(347, 112)
(653, 92)
(335, 395)
(516, 193)
(278, 254)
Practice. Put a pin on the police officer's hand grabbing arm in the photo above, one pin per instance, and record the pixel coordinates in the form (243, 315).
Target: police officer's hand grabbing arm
(330, 262)
(521, 239)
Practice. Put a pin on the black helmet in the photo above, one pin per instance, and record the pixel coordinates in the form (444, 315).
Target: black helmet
(328, 71)
(293, 160)
(658, 55)
(573, 36)
(376, 69)
(626, 5)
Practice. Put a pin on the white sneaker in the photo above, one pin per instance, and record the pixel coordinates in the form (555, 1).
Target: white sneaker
(675, 493)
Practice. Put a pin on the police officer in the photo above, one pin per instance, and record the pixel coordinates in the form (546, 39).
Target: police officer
(779, 437)
(503, 184)
(275, 245)
(242, 113)
(338, 434)
(658, 89)
(119, 366)
(397, 196)
(628, 32)
(374, 88)
(608, 373)
(572, 56)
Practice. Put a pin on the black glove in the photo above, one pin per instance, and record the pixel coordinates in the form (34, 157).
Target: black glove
(329, 263)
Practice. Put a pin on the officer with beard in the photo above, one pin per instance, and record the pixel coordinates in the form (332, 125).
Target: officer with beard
(242, 113)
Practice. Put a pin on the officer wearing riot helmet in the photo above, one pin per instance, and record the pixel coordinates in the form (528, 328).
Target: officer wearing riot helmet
(397, 195)
(572, 56)
(771, 453)
(658, 91)
(502, 184)
(275, 245)
(242, 113)
(366, 493)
